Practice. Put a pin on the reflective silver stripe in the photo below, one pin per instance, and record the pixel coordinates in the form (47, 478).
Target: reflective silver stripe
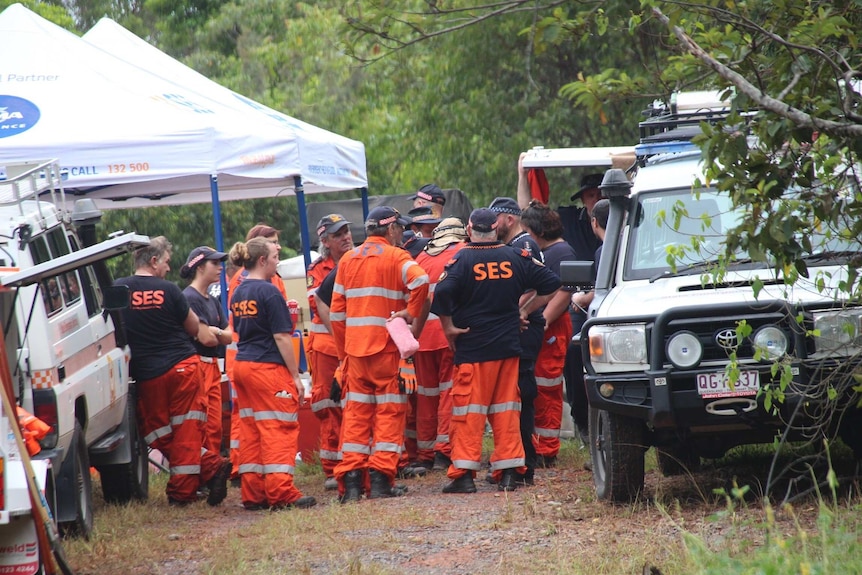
(233, 346)
(425, 444)
(410, 433)
(388, 447)
(543, 432)
(206, 359)
(251, 468)
(507, 463)
(337, 316)
(338, 288)
(310, 292)
(508, 406)
(375, 291)
(466, 464)
(355, 448)
(234, 443)
(318, 328)
(432, 316)
(418, 282)
(185, 469)
(427, 391)
(323, 404)
(157, 433)
(276, 415)
(359, 397)
(391, 398)
(246, 412)
(472, 408)
(443, 438)
(192, 415)
(278, 468)
(431, 289)
(444, 385)
(333, 455)
(549, 381)
(366, 320)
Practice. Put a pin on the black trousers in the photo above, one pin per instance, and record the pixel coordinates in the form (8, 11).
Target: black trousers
(531, 342)
(573, 373)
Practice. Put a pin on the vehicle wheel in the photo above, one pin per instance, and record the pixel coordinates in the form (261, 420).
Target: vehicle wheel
(81, 490)
(677, 460)
(617, 451)
(124, 482)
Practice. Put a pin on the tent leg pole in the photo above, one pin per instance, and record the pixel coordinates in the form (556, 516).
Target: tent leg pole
(303, 220)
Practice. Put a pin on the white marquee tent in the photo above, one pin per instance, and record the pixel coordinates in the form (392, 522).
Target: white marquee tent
(135, 128)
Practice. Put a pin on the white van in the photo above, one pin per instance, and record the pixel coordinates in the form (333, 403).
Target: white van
(69, 364)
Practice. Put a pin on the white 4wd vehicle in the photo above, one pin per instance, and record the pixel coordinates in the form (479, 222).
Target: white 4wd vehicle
(660, 339)
(69, 364)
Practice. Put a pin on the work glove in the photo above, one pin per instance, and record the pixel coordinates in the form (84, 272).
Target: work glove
(407, 376)
(335, 388)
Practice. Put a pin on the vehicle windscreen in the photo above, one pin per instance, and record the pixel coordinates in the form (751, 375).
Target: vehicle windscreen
(687, 228)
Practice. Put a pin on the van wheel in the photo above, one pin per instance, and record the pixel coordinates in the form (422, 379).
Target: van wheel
(617, 451)
(125, 482)
(81, 489)
(677, 460)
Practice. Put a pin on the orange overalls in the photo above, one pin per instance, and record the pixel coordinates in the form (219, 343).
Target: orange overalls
(549, 383)
(434, 369)
(373, 281)
(323, 360)
(230, 359)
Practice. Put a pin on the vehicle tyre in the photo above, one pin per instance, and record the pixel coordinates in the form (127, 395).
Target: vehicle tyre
(677, 460)
(124, 482)
(617, 451)
(81, 489)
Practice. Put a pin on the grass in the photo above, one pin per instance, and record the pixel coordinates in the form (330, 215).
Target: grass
(559, 529)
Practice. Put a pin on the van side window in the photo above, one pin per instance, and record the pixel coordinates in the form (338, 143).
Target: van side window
(70, 286)
(90, 290)
(57, 242)
(39, 250)
(51, 296)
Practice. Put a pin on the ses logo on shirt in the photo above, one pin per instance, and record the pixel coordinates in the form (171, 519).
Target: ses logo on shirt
(244, 308)
(17, 115)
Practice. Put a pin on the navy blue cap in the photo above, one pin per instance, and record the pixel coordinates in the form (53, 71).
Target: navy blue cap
(483, 220)
(423, 215)
(197, 256)
(505, 206)
(431, 193)
(330, 224)
(385, 215)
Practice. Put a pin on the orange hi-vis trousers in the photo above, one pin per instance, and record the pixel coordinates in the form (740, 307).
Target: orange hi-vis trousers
(172, 410)
(229, 361)
(268, 431)
(212, 391)
(372, 425)
(483, 391)
(434, 371)
(549, 383)
(323, 368)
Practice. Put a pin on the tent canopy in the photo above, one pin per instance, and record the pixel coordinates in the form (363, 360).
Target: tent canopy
(128, 136)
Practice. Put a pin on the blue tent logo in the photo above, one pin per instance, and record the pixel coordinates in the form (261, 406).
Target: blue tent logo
(16, 115)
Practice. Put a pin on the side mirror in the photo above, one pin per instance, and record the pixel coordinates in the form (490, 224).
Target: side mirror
(116, 297)
(577, 275)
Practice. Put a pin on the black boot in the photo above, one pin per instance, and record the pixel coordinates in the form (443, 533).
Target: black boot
(509, 480)
(463, 484)
(382, 487)
(352, 486)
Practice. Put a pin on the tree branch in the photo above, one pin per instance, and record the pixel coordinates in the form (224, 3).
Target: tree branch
(763, 100)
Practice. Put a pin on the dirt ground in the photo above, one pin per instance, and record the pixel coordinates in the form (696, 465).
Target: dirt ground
(554, 527)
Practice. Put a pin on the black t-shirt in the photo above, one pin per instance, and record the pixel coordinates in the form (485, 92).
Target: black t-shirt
(556, 253)
(154, 325)
(414, 246)
(324, 290)
(524, 241)
(209, 311)
(259, 312)
(578, 232)
(480, 289)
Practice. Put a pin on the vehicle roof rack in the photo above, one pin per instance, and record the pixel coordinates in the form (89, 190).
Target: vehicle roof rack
(22, 181)
(671, 125)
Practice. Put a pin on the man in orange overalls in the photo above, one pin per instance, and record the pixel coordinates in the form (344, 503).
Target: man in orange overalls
(375, 282)
(477, 302)
(335, 240)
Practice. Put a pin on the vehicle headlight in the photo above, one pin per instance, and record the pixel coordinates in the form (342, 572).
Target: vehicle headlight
(771, 342)
(618, 347)
(684, 350)
(837, 329)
